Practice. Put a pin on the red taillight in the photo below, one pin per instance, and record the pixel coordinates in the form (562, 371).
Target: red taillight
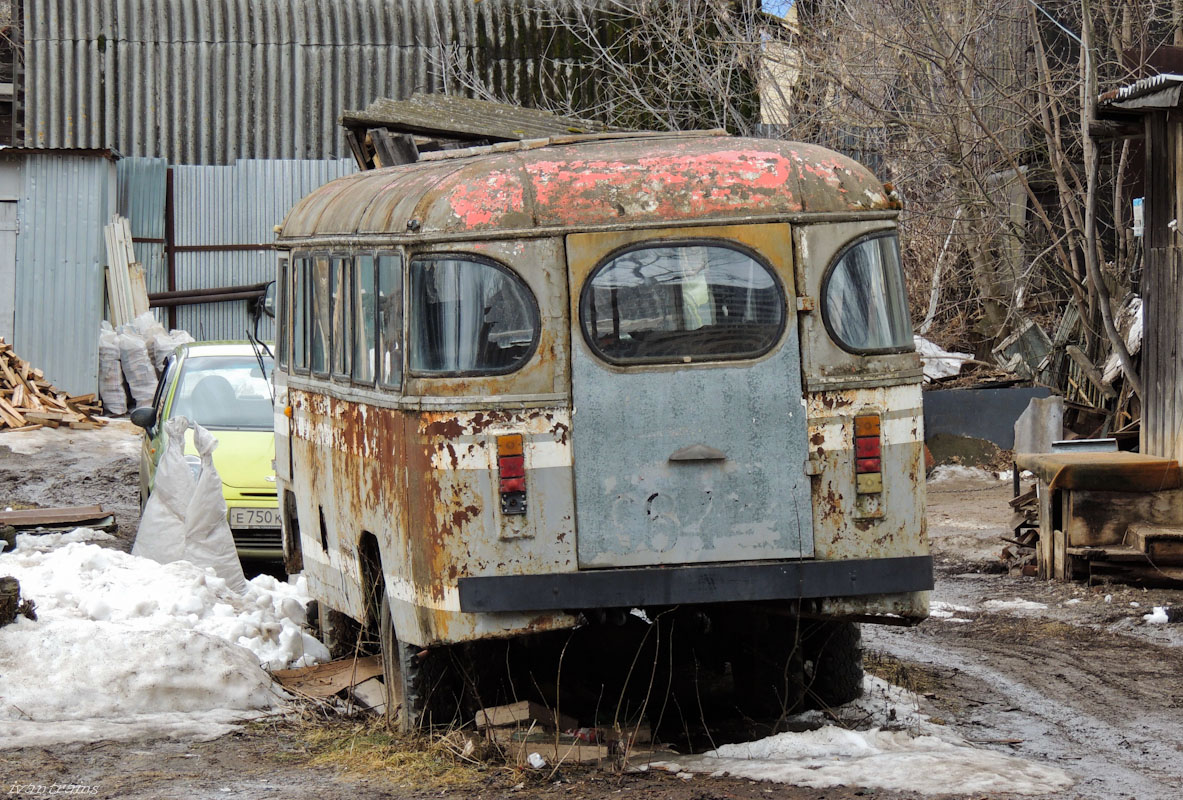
(866, 447)
(511, 472)
(868, 463)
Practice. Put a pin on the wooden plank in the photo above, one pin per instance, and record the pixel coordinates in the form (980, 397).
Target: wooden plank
(24, 428)
(522, 714)
(325, 680)
(49, 516)
(11, 415)
(139, 289)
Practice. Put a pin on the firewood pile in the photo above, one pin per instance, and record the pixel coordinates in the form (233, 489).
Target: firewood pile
(28, 401)
(1019, 553)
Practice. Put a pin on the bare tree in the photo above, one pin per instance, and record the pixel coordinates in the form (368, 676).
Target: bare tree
(977, 111)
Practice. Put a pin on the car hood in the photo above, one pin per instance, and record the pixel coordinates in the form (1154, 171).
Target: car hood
(243, 458)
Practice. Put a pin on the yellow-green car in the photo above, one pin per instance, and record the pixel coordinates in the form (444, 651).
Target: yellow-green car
(220, 386)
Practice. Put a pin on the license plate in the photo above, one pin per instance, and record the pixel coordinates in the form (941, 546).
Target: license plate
(254, 518)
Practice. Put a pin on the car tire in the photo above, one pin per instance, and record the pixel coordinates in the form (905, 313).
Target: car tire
(402, 675)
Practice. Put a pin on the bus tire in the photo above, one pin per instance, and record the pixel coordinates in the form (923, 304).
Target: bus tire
(834, 663)
(401, 675)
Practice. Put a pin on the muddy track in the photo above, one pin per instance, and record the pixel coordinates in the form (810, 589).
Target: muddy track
(1104, 707)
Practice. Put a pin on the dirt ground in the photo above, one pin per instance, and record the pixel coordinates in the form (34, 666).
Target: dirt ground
(1062, 674)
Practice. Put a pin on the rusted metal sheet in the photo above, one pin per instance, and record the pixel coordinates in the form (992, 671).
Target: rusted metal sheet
(849, 525)
(423, 483)
(641, 181)
(635, 508)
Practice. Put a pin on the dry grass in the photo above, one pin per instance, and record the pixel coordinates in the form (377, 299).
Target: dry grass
(368, 749)
(913, 677)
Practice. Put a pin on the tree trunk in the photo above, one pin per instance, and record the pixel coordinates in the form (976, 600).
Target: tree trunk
(10, 594)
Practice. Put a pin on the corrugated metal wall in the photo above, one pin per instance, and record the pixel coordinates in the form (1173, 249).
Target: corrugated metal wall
(65, 201)
(232, 205)
(141, 199)
(211, 81)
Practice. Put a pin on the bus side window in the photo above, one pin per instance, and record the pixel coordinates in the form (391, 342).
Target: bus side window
(281, 322)
(318, 346)
(299, 301)
(342, 285)
(365, 343)
(390, 319)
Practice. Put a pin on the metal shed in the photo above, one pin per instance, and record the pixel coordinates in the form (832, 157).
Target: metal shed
(53, 205)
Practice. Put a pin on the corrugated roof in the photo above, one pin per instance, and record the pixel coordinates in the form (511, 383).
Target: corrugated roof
(212, 81)
(1139, 89)
(439, 115)
(640, 180)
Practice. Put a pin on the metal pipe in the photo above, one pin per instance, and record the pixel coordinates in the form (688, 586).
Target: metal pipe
(170, 240)
(172, 302)
(251, 287)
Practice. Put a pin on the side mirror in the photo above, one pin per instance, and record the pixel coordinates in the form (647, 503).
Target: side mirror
(269, 300)
(144, 417)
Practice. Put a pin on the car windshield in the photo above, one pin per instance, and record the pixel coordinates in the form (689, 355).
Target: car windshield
(224, 392)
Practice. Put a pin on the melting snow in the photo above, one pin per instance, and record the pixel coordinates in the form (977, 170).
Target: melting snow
(923, 758)
(1157, 617)
(124, 646)
(958, 472)
(1017, 604)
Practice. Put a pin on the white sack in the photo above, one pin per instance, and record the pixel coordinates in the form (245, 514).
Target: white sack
(163, 345)
(161, 536)
(208, 541)
(185, 518)
(111, 372)
(137, 366)
(148, 328)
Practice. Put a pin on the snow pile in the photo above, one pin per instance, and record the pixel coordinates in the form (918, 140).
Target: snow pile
(123, 646)
(948, 612)
(1017, 604)
(1157, 617)
(939, 363)
(928, 759)
(959, 472)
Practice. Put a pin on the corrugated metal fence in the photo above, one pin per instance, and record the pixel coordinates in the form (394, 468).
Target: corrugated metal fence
(211, 81)
(65, 201)
(224, 218)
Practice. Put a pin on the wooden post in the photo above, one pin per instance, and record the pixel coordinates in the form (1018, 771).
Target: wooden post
(10, 594)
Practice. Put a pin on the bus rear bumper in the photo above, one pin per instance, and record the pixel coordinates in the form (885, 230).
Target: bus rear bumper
(715, 583)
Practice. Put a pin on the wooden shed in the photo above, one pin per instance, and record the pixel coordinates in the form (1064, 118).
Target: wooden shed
(1121, 514)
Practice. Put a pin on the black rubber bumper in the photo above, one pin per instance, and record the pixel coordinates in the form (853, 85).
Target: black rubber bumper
(719, 583)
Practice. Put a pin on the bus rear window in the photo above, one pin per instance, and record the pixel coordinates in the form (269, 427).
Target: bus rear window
(469, 317)
(682, 302)
(864, 304)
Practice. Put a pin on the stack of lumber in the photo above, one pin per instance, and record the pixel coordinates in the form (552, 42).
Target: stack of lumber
(127, 293)
(1019, 554)
(28, 401)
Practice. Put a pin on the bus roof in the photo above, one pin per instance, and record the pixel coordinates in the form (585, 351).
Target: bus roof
(635, 180)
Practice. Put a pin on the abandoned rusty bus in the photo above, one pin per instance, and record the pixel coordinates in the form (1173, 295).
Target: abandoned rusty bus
(536, 386)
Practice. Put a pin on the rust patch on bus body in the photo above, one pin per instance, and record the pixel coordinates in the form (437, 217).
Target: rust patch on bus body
(664, 178)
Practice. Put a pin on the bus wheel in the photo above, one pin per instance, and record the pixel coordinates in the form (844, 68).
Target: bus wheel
(833, 663)
(767, 669)
(401, 674)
